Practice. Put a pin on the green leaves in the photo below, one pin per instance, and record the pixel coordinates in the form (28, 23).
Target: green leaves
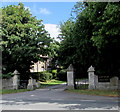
(93, 38)
(21, 34)
(107, 26)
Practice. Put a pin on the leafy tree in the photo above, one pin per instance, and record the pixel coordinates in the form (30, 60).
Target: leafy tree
(24, 39)
(66, 46)
(106, 36)
(92, 38)
(53, 54)
(76, 47)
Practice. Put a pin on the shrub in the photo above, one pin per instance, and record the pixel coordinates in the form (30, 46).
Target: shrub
(54, 72)
(34, 75)
(62, 75)
(45, 75)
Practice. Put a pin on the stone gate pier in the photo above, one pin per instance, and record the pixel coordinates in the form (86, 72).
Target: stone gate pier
(70, 77)
(103, 82)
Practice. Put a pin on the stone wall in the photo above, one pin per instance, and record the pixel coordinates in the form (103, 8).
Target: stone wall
(7, 83)
(13, 83)
(113, 84)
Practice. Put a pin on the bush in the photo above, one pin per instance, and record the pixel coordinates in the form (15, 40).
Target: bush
(62, 75)
(6, 76)
(34, 75)
(54, 72)
(45, 75)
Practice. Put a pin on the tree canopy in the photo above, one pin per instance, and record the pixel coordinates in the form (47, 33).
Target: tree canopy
(92, 38)
(24, 39)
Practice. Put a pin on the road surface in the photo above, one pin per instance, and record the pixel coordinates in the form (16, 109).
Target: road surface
(55, 98)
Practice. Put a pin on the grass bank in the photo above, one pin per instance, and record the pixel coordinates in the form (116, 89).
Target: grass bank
(9, 91)
(50, 83)
(42, 85)
(112, 93)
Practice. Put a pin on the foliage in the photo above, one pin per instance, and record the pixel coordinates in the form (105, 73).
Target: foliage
(54, 72)
(76, 48)
(34, 75)
(106, 36)
(23, 39)
(62, 75)
(54, 50)
(45, 76)
(92, 38)
(65, 54)
(6, 76)
(54, 47)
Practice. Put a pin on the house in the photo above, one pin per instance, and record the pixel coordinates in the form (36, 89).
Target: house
(41, 65)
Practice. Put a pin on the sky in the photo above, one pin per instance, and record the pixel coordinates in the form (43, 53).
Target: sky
(52, 13)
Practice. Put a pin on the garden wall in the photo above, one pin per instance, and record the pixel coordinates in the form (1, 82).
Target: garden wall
(102, 82)
(13, 83)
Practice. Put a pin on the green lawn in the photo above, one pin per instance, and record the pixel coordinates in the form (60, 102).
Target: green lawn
(113, 93)
(50, 83)
(9, 91)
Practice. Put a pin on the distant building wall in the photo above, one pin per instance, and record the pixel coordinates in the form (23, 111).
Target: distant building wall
(41, 65)
(38, 67)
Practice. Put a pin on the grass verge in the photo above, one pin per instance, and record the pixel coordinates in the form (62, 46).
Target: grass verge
(113, 93)
(42, 85)
(9, 91)
(50, 83)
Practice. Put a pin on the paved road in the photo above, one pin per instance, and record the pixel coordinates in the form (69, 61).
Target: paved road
(55, 98)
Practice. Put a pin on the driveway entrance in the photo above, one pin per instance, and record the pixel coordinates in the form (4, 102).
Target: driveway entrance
(55, 98)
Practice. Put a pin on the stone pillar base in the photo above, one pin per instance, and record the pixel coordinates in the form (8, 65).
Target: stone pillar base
(31, 87)
(91, 87)
(31, 84)
(70, 77)
(15, 86)
(70, 87)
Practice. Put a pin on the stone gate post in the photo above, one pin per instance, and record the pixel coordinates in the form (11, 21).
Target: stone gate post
(31, 84)
(70, 77)
(92, 78)
(15, 79)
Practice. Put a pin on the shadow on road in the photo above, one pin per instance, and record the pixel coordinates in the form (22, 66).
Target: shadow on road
(57, 97)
